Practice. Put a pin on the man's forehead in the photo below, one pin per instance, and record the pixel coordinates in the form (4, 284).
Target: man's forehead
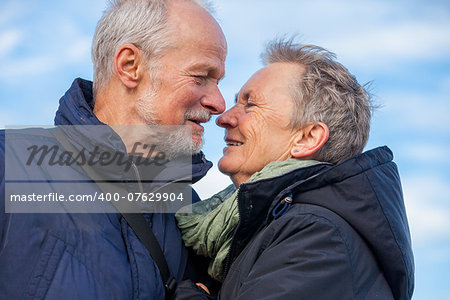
(187, 17)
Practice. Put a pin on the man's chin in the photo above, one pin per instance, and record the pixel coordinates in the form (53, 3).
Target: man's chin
(197, 144)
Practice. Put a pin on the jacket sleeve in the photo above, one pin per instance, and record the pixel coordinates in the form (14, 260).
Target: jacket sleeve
(4, 218)
(188, 290)
(305, 259)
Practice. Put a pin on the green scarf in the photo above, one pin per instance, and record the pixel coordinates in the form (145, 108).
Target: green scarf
(208, 229)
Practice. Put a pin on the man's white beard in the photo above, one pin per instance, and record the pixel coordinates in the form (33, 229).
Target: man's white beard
(174, 141)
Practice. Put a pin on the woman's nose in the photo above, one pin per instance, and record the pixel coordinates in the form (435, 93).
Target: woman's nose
(228, 118)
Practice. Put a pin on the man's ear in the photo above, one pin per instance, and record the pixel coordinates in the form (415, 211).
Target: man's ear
(128, 65)
(309, 139)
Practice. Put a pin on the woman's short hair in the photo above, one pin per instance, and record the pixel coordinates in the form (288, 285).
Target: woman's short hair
(326, 92)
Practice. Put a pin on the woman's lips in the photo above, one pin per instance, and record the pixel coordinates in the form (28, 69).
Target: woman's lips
(234, 143)
(231, 143)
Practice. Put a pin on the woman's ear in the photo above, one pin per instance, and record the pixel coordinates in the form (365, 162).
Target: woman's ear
(128, 65)
(309, 139)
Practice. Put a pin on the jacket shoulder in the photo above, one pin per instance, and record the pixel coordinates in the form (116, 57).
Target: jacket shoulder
(301, 218)
(2, 156)
(334, 249)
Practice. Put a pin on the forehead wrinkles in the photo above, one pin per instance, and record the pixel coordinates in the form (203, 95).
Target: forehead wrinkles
(263, 90)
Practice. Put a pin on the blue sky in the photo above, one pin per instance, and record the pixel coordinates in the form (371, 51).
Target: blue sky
(403, 47)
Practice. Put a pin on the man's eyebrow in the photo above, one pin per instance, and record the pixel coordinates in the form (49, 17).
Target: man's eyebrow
(201, 65)
(208, 68)
(204, 66)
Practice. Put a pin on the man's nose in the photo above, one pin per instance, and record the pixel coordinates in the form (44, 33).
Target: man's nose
(214, 101)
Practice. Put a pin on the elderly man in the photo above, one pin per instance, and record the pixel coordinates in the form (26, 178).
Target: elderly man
(309, 216)
(155, 62)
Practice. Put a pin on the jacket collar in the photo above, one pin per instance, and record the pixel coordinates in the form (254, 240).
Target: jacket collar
(272, 190)
(257, 199)
(77, 104)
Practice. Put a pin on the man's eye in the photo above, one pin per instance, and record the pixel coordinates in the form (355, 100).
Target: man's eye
(200, 80)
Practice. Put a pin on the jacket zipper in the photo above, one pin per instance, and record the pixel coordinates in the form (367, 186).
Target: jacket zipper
(138, 176)
(172, 182)
(228, 257)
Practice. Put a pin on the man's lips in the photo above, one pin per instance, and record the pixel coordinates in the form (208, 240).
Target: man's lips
(195, 118)
(196, 124)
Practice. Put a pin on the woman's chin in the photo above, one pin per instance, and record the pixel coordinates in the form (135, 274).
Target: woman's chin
(222, 165)
(227, 165)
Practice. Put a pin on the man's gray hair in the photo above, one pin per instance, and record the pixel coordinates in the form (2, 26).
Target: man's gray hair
(326, 93)
(142, 23)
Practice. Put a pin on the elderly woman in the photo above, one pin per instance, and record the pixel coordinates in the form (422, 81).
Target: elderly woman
(308, 216)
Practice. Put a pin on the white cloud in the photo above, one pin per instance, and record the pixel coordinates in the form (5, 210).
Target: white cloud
(66, 46)
(428, 209)
(17, 69)
(445, 84)
(393, 43)
(425, 153)
(439, 255)
(11, 10)
(73, 44)
(10, 39)
(79, 49)
(212, 183)
(376, 34)
(417, 111)
(7, 118)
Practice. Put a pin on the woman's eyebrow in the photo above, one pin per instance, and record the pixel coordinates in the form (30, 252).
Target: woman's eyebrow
(245, 96)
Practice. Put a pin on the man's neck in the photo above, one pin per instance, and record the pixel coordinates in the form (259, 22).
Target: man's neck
(114, 106)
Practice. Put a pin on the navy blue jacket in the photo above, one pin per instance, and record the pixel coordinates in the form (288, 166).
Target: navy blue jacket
(345, 236)
(83, 256)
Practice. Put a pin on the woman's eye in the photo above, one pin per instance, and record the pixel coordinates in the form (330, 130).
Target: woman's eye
(250, 104)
